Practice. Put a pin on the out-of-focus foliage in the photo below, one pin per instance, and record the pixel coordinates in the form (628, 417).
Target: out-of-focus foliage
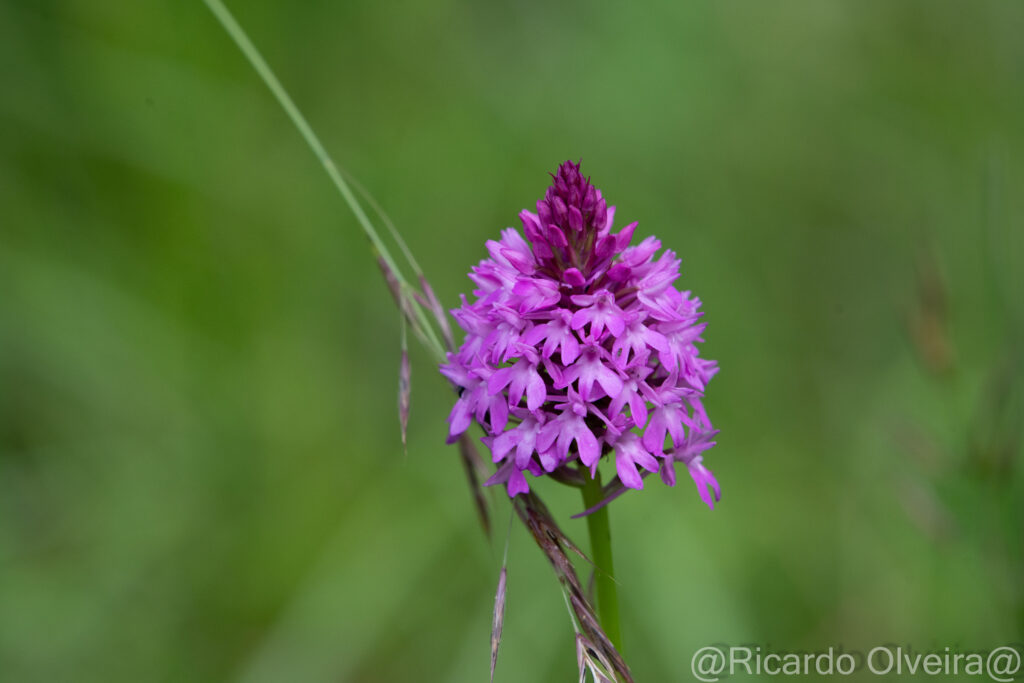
(201, 473)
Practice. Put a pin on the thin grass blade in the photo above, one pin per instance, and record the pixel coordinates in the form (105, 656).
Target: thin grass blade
(404, 388)
(473, 464)
(499, 617)
(249, 50)
(589, 659)
(548, 536)
(438, 310)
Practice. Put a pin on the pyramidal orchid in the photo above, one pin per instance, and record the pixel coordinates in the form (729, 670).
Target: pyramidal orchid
(579, 346)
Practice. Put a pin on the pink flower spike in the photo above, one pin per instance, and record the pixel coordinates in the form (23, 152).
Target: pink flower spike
(578, 343)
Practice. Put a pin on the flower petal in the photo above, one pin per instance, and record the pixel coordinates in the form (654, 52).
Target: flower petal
(626, 469)
(536, 392)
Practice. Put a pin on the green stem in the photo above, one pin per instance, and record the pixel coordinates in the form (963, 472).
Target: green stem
(601, 553)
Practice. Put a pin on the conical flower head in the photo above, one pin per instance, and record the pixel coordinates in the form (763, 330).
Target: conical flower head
(572, 203)
(571, 221)
(579, 346)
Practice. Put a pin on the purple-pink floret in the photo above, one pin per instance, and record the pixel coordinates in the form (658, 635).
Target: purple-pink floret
(578, 345)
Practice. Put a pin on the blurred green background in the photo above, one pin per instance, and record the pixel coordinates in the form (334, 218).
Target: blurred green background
(201, 476)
